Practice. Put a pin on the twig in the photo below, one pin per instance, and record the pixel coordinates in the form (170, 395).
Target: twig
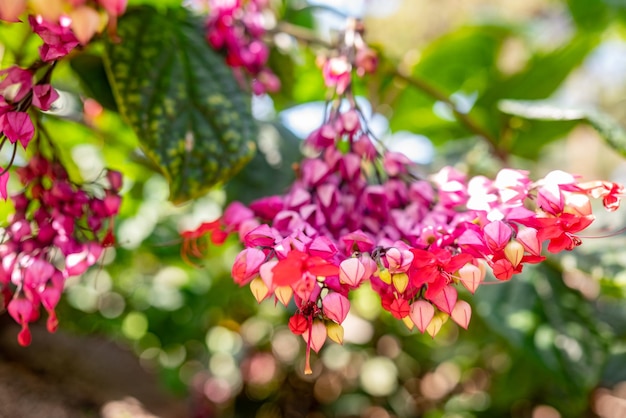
(461, 117)
(310, 38)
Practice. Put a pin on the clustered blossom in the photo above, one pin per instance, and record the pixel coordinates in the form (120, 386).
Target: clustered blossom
(64, 24)
(236, 27)
(59, 229)
(362, 216)
(353, 55)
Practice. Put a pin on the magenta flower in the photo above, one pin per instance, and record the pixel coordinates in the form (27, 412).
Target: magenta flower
(17, 126)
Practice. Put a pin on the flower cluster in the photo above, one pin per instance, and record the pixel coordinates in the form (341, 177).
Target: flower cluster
(64, 24)
(59, 229)
(17, 94)
(364, 216)
(236, 27)
(352, 55)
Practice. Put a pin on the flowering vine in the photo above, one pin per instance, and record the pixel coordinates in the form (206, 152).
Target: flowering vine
(359, 214)
(59, 227)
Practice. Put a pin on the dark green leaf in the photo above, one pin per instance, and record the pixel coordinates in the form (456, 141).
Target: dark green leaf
(270, 172)
(93, 77)
(181, 99)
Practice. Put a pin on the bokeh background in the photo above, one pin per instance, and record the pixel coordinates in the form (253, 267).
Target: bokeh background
(551, 343)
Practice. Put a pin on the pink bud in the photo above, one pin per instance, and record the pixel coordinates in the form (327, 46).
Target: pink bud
(497, 235)
(20, 309)
(421, 314)
(398, 260)
(351, 271)
(528, 238)
(115, 180)
(470, 276)
(462, 313)
(318, 335)
(446, 299)
(10, 10)
(336, 306)
(43, 96)
(246, 265)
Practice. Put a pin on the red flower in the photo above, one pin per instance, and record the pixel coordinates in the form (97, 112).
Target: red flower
(435, 268)
(290, 269)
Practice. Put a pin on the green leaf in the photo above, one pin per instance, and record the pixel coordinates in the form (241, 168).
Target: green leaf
(90, 70)
(181, 100)
(543, 74)
(546, 114)
(271, 170)
(462, 61)
(552, 327)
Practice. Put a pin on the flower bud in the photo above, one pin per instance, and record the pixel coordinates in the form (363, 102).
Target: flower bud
(514, 251)
(421, 314)
(335, 332)
(284, 294)
(400, 281)
(437, 322)
(259, 289)
(385, 276)
(462, 313)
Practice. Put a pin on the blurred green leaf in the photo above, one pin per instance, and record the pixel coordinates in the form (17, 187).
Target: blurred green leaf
(548, 117)
(181, 99)
(543, 74)
(551, 326)
(270, 172)
(461, 61)
(90, 70)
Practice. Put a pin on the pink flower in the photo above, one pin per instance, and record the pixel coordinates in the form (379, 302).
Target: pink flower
(336, 307)
(247, 264)
(17, 83)
(17, 126)
(4, 178)
(43, 96)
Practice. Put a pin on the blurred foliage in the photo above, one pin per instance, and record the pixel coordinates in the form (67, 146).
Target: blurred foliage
(548, 339)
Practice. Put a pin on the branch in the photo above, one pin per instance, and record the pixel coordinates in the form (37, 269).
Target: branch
(463, 118)
(310, 38)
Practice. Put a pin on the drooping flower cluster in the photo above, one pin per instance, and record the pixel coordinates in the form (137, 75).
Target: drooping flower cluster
(59, 230)
(360, 216)
(17, 94)
(236, 27)
(357, 214)
(352, 56)
(62, 25)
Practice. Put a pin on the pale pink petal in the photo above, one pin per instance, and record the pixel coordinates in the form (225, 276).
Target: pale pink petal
(462, 313)
(421, 314)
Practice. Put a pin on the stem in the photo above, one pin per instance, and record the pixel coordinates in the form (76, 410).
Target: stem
(463, 118)
(308, 37)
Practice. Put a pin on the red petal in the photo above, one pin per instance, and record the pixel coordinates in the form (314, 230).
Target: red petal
(399, 308)
(446, 299)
